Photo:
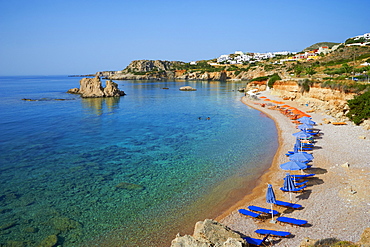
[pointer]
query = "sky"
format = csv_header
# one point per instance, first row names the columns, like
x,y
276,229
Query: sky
x,y
75,37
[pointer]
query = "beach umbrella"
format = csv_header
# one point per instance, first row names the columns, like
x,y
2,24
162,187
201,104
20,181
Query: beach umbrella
x,y
270,198
301,157
293,166
306,121
305,126
304,118
302,135
289,185
298,144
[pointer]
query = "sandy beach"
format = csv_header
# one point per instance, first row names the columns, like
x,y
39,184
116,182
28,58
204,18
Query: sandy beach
x,y
336,202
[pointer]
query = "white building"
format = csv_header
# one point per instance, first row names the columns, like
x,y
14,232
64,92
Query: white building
x,y
366,36
281,53
223,58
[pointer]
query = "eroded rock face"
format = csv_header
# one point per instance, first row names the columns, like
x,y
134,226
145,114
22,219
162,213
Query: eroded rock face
x,y
92,88
210,233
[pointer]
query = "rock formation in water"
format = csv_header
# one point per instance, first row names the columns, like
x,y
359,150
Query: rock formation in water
x,y
209,233
92,88
187,88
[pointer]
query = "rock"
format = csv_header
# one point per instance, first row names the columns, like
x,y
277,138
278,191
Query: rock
x,y
92,88
49,241
306,242
326,121
31,229
73,90
232,242
210,233
111,89
365,238
346,165
216,233
188,241
129,186
187,88
64,224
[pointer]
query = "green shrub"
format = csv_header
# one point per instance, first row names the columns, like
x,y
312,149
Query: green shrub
x,y
359,108
275,77
261,78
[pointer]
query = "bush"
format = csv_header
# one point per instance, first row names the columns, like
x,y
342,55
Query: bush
x,y
273,78
261,78
359,108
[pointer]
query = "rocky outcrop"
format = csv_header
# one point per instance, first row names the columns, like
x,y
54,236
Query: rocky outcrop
x,y
150,65
92,88
210,233
187,88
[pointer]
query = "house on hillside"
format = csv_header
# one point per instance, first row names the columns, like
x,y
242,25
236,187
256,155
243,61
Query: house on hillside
x,y
223,58
365,36
323,50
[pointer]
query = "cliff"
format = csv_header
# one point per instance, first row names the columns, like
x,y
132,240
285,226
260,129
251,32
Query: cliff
x,y
158,70
92,88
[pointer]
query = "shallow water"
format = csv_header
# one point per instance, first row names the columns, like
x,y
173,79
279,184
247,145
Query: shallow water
x,y
128,171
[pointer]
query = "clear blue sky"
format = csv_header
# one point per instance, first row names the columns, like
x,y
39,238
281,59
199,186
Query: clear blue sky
x,y
85,36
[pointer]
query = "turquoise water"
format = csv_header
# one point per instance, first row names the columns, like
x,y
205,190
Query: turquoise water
x,y
128,171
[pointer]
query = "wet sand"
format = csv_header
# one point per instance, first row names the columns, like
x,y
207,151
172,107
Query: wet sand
x,y
336,202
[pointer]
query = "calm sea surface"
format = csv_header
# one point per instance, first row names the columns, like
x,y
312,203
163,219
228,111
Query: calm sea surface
x,y
128,171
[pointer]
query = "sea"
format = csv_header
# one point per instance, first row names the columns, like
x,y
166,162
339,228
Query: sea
x,y
124,171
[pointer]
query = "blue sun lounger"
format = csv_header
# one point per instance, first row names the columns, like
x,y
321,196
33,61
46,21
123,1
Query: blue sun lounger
x,y
298,177
262,210
255,241
301,183
249,213
273,233
288,204
292,221
299,189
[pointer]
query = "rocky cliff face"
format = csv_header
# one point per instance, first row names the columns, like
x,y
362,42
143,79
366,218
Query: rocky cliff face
x,y
332,102
92,88
150,65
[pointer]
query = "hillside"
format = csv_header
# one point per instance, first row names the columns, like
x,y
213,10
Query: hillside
x,y
320,44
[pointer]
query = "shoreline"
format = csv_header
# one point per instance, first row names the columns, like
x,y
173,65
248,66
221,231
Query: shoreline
x,y
332,189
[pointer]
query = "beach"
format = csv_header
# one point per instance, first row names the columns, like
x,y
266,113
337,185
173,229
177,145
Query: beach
x,y
336,202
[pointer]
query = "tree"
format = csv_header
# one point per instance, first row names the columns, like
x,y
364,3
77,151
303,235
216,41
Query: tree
x,y
346,68
310,71
298,69
359,108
